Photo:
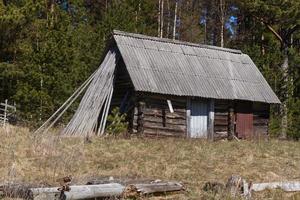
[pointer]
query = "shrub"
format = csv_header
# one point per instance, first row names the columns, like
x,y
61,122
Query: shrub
x,y
116,122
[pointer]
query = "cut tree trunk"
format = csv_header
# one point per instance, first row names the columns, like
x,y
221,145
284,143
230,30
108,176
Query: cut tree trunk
x,y
136,190
293,186
79,192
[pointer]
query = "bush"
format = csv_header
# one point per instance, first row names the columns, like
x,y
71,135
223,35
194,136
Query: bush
x,y
294,119
116,122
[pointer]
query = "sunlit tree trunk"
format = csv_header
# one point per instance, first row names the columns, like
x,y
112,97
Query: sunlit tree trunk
x,y
169,18
158,18
175,20
222,20
283,108
162,19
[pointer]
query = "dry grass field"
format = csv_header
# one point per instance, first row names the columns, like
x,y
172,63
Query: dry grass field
x,y
41,159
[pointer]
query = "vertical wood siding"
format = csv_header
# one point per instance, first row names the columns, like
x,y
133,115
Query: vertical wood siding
x,y
261,119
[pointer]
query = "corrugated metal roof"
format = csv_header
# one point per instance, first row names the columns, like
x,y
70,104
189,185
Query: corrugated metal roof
x,y
166,66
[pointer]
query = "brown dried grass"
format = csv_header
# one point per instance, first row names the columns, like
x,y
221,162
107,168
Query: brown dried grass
x,y
41,159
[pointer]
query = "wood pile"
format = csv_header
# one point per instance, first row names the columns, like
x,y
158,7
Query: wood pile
x,y
94,104
238,187
137,190
107,189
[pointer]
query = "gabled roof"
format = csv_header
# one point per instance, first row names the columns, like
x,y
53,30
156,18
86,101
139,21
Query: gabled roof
x,y
185,69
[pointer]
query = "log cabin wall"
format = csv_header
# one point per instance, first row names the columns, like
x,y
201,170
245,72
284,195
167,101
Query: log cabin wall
x,y
261,119
221,119
152,116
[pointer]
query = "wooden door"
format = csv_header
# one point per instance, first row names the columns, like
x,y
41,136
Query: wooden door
x,y
244,120
199,119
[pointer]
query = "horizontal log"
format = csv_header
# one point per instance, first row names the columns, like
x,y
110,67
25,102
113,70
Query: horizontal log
x,y
221,117
168,115
137,190
80,192
159,110
293,186
172,127
221,128
221,122
221,113
167,120
161,128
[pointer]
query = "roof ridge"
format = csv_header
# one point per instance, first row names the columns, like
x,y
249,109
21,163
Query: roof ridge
x,y
167,40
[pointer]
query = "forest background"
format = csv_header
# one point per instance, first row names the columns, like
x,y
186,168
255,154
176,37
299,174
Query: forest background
x,y
49,47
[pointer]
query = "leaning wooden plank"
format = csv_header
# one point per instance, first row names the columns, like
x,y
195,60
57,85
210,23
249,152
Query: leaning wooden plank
x,y
80,192
292,186
135,190
8,106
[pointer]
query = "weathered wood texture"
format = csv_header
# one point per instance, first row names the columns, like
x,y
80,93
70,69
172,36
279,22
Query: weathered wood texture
x,y
156,118
261,114
123,87
79,192
136,190
293,186
123,95
221,119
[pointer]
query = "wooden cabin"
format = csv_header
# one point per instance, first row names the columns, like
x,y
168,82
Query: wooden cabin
x,y
180,89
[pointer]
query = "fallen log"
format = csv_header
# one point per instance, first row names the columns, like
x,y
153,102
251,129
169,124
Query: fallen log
x,y
293,186
237,186
79,192
120,180
136,190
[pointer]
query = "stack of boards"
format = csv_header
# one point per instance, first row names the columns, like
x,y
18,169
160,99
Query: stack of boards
x,y
95,101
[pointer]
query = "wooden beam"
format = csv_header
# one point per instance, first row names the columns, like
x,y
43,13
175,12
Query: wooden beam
x,y
211,116
107,109
188,117
231,122
137,190
140,120
79,192
293,186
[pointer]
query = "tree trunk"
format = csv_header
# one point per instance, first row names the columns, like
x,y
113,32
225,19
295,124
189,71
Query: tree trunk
x,y
162,19
169,18
175,20
137,12
138,190
222,19
158,18
283,108
79,192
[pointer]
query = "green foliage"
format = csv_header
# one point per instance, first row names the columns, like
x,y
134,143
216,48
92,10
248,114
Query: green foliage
x,y
46,52
294,119
117,122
